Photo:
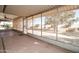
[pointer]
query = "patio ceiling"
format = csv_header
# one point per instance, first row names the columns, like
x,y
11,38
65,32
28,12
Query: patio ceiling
x,y
25,10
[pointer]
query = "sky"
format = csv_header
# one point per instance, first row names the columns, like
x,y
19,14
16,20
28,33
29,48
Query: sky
x,y
77,13
38,20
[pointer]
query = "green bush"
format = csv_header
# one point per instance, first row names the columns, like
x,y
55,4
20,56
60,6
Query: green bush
x,y
7,26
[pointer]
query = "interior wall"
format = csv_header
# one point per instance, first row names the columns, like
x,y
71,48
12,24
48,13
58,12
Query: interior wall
x,y
18,24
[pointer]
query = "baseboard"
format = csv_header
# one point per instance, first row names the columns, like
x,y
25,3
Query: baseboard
x,y
17,31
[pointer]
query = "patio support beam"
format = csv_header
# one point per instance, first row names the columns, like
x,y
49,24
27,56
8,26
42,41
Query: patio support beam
x,y
23,24
32,24
4,8
41,24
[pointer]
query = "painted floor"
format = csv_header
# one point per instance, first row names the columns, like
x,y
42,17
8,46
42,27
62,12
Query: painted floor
x,y
17,43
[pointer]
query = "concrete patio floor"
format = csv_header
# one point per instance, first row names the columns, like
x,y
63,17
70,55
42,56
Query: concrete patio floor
x,y
16,43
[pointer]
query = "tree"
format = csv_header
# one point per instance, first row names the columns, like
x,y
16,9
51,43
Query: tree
x,y
50,20
7,26
36,26
65,16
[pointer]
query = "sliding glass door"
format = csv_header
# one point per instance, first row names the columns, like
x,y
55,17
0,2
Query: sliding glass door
x,y
37,25
25,26
30,25
48,25
61,24
68,27
6,25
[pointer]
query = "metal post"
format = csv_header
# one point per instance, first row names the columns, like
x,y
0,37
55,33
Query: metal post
x,y
23,25
57,25
32,24
41,24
